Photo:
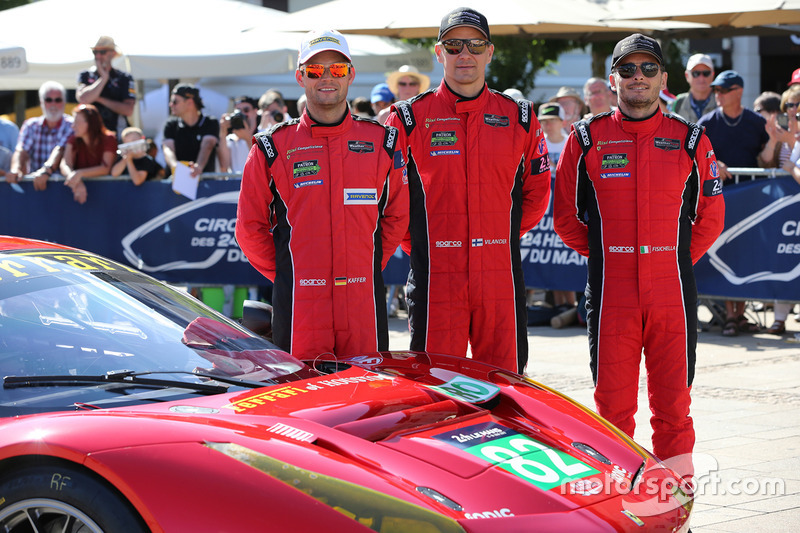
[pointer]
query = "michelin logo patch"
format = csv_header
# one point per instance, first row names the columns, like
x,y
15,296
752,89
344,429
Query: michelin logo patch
x,y
306,183
360,196
435,153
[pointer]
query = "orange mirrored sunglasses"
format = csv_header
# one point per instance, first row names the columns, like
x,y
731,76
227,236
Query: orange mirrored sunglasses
x,y
337,70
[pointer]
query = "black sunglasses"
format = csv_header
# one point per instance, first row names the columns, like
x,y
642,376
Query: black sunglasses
x,y
628,70
698,73
49,100
475,46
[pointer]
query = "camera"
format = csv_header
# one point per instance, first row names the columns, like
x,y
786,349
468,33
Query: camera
x,y
783,120
132,147
237,120
277,116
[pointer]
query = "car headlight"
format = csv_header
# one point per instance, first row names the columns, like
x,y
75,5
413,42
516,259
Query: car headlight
x,y
370,508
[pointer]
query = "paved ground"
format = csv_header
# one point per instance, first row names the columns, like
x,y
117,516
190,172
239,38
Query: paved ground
x,y
746,407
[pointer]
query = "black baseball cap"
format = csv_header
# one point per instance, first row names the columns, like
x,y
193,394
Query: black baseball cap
x,y
189,91
464,16
636,43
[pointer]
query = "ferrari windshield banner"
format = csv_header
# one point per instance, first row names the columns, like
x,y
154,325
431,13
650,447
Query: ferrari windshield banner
x,y
182,241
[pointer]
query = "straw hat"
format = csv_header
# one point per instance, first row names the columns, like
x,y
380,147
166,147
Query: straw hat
x,y
408,70
105,43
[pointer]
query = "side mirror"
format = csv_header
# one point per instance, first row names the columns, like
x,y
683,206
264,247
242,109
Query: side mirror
x,y
257,317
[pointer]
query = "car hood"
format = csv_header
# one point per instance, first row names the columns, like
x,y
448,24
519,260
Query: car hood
x,y
462,438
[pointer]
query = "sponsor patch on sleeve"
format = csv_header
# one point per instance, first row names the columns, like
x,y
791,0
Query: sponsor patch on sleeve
x,y
399,161
540,164
712,187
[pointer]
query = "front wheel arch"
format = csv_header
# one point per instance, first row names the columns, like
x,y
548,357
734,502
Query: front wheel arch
x,y
54,492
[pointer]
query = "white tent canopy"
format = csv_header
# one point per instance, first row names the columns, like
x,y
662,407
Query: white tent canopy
x,y
162,40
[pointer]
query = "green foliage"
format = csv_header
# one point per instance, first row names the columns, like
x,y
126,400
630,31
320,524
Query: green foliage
x,y
8,4
517,59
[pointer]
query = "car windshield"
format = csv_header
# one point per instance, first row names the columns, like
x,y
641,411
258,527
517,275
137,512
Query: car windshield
x,y
63,317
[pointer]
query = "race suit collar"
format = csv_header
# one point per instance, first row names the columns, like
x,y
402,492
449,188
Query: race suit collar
x,y
319,129
462,103
643,125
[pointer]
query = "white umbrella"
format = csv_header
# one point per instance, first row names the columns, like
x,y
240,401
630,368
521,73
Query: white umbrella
x,y
716,13
421,18
12,60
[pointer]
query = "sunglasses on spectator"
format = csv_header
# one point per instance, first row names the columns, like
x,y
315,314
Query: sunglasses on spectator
x,y
790,105
698,73
407,83
100,52
475,46
723,90
49,100
628,70
337,70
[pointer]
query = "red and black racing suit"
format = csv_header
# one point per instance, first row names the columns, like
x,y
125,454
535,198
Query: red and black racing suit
x,y
479,179
321,210
643,200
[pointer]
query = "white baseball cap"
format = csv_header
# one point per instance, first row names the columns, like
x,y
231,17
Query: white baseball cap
x,y
699,59
318,41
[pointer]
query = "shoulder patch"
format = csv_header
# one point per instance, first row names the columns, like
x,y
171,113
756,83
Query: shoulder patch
x,y
390,140
583,134
406,114
266,145
525,110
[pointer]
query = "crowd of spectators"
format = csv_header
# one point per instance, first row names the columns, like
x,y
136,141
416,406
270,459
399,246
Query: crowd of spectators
x,y
98,140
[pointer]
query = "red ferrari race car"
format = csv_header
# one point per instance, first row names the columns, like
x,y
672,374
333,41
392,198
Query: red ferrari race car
x,y
128,406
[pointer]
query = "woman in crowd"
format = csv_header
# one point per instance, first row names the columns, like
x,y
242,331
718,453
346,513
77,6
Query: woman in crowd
x,y
89,152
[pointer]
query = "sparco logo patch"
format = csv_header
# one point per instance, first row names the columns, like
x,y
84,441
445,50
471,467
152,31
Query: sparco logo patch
x,y
443,138
361,147
496,121
268,147
667,144
311,282
407,116
302,169
448,244
390,137
621,249
693,138
584,134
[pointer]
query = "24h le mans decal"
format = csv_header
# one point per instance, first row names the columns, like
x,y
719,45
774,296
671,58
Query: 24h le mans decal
x,y
518,454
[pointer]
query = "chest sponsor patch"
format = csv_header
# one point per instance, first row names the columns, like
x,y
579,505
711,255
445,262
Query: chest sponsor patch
x,y
614,161
436,153
360,196
443,138
361,147
303,169
667,144
606,175
306,183
496,121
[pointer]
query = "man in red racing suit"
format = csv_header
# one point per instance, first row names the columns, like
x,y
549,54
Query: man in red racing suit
x,y
639,193
479,179
323,206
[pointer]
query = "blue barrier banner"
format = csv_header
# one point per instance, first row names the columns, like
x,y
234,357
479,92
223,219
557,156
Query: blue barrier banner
x,y
183,241
149,227
757,257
